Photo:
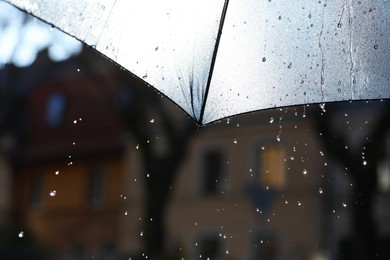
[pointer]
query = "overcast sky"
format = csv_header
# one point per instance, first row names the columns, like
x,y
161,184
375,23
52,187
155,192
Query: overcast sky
x,y
19,44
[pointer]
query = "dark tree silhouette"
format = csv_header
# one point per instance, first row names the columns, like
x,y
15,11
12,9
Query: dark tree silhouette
x,y
361,164
163,142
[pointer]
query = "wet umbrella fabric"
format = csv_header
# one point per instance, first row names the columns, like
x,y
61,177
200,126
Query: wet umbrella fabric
x,y
221,58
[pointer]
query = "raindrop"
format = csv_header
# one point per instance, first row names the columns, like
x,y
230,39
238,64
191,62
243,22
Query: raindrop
x,y
271,120
375,46
74,121
280,17
289,65
299,203
141,234
78,70
263,59
235,141
145,76
278,138
321,153
364,162
125,213
21,234
344,205
137,147
339,25
156,49
151,120
57,172
304,171
292,158
53,193
320,191
322,106
285,202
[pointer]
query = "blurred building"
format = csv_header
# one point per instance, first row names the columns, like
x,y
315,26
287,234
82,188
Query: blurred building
x,y
252,187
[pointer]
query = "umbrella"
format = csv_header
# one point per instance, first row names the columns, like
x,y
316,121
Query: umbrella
x,y
220,58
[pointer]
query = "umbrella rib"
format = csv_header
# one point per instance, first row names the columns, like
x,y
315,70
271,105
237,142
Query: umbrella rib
x,y
223,15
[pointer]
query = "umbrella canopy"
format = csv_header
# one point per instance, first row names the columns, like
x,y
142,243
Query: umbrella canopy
x,y
221,58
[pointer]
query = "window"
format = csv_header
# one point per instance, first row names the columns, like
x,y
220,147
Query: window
x,y
96,189
36,191
266,245
213,169
272,169
209,247
55,110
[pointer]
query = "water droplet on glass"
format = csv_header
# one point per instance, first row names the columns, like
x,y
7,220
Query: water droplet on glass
x,y
53,193
21,234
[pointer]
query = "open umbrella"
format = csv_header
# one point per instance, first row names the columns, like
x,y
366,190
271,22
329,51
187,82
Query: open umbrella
x,y
220,58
